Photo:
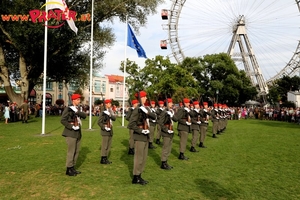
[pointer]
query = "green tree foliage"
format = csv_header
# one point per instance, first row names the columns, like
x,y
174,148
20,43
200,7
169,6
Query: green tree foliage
x,y
22,43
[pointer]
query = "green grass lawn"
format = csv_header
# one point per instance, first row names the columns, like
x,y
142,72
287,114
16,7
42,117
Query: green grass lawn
x,y
253,159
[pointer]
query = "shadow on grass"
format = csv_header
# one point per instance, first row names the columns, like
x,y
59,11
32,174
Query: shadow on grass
x,y
82,156
213,190
156,157
127,159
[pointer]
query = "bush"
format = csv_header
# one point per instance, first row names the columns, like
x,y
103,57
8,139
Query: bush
x,y
59,101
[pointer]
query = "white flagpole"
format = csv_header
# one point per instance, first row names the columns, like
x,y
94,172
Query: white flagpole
x,y
45,75
91,65
124,76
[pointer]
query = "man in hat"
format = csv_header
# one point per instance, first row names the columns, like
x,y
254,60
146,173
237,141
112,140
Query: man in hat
x,y
158,112
134,104
152,128
215,116
204,113
106,129
70,118
196,121
24,110
184,125
139,123
166,125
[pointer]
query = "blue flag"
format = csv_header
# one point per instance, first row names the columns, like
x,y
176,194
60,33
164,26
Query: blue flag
x,y
133,43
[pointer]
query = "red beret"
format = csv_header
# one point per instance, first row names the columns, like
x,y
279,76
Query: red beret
x,y
196,103
215,105
106,101
142,94
146,103
169,100
220,105
180,104
75,96
160,102
205,103
134,101
152,102
185,100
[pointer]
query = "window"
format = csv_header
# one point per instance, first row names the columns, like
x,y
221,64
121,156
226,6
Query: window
x,y
97,88
49,85
111,89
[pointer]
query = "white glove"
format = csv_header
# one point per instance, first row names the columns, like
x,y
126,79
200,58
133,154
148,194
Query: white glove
x,y
198,122
188,123
205,110
107,129
75,128
170,113
185,108
106,112
74,108
145,132
170,131
144,109
206,122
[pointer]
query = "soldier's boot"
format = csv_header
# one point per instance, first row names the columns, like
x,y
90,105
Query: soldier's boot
x,y
104,160
182,157
219,132
201,145
151,146
157,141
77,172
169,165
131,151
137,180
141,179
192,149
107,161
164,165
214,136
70,172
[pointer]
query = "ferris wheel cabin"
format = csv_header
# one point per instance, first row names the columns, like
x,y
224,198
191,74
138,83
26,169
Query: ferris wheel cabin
x,y
164,14
163,44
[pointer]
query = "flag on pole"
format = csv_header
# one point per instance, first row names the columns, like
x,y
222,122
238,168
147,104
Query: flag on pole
x,y
61,4
133,43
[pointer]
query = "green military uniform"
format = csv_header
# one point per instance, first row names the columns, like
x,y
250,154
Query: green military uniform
x,y
131,140
152,128
106,130
204,117
73,137
158,112
195,127
215,120
141,140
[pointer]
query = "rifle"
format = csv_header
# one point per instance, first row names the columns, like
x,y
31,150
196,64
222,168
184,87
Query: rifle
x,y
188,116
108,125
170,124
145,123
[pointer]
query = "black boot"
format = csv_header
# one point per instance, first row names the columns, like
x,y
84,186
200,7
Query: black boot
x,y
201,145
141,179
138,180
164,165
219,132
193,149
77,172
214,136
131,151
70,171
169,165
107,161
104,160
151,146
157,141
182,157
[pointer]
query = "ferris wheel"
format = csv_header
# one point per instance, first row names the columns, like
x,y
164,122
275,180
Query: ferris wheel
x,y
261,36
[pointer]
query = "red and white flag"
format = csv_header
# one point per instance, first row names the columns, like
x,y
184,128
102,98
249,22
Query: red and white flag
x,y
61,4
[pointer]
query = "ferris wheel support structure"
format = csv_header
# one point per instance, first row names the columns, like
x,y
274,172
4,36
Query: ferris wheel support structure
x,y
291,68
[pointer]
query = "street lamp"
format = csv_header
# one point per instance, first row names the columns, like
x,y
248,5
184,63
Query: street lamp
x,y
217,93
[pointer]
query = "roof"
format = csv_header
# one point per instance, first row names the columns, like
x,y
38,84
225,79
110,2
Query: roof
x,y
115,78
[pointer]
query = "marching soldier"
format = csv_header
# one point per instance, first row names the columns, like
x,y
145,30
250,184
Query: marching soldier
x,y
215,120
139,124
204,113
105,122
184,125
195,116
152,126
166,124
158,112
134,104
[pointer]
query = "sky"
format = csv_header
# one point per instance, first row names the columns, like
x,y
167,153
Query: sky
x,y
205,27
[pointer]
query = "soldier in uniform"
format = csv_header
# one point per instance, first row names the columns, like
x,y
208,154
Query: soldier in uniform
x,y
139,123
158,112
152,126
215,120
222,119
166,124
195,117
106,129
24,110
134,104
184,125
204,113
70,118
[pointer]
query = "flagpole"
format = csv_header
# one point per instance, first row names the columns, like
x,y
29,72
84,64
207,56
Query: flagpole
x,y
91,66
45,74
124,76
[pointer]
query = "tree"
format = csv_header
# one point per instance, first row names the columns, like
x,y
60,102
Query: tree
x,y
22,43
